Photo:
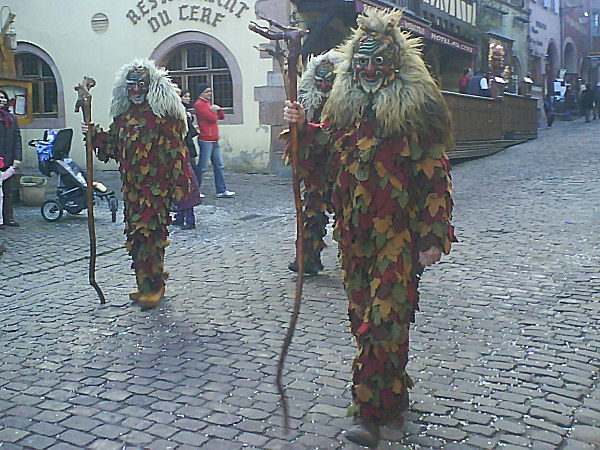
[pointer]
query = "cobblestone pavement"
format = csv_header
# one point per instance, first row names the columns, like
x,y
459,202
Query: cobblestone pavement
x,y
505,352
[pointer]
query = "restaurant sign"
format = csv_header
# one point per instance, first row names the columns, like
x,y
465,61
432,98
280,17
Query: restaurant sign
x,y
210,12
437,37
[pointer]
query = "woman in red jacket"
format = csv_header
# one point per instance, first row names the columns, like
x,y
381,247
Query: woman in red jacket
x,y
207,115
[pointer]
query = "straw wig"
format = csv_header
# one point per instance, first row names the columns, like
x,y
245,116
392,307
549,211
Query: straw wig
x,y
411,103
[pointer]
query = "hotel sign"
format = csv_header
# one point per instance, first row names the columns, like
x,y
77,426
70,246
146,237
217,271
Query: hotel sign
x,y
437,37
210,12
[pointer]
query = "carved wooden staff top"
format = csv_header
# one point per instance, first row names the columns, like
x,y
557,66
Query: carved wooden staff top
x,y
293,38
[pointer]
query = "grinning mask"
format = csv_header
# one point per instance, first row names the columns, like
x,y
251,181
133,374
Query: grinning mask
x,y
138,83
324,76
374,62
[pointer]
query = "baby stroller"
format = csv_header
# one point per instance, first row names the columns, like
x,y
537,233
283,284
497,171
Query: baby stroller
x,y
53,152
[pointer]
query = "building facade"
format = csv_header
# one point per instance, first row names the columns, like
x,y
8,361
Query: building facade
x,y
61,41
544,43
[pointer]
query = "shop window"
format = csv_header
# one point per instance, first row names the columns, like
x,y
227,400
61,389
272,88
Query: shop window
x,y
596,23
192,64
45,93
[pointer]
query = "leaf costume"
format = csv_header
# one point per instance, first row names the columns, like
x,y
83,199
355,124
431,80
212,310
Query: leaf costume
x,y
382,146
147,141
316,199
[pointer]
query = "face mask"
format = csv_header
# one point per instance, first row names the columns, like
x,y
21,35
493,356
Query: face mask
x,y
373,64
324,77
137,85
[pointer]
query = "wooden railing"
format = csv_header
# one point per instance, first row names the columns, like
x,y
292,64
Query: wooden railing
x,y
485,125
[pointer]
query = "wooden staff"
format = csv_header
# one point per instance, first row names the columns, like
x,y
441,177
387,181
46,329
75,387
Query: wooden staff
x,y
84,102
293,37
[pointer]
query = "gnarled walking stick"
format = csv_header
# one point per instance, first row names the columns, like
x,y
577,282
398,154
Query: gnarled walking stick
x,y
293,37
84,102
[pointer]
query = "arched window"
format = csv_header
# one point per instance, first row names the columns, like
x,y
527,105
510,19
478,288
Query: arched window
x,y
192,64
45,93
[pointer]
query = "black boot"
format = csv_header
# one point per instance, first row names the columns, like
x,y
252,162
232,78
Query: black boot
x,y
364,432
310,267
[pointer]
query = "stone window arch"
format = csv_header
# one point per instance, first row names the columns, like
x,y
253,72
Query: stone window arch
x,y
35,65
194,57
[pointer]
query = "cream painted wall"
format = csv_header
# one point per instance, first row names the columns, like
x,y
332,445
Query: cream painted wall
x,y
62,28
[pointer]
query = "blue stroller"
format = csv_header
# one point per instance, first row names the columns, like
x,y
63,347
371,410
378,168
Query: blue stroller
x,y
53,157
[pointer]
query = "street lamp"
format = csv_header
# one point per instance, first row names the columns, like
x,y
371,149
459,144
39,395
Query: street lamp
x,y
12,37
7,29
8,44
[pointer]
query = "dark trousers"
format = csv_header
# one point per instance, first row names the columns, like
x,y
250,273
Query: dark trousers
x,y
8,187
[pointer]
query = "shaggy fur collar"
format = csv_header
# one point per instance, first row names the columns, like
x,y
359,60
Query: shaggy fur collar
x,y
411,104
162,96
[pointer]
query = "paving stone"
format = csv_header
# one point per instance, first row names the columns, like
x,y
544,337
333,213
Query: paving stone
x,y
110,431
584,433
510,426
80,423
103,444
452,434
9,435
545,436
559,419
77,438
473,417
187,437
37,441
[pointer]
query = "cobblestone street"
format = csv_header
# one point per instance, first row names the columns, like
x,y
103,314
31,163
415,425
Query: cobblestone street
x,y
505,352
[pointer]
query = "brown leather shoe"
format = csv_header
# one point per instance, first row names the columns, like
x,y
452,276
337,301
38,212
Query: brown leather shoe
x,y
364,433
151,299
135,296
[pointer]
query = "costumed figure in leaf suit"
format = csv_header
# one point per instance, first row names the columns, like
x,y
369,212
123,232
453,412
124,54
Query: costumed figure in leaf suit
x,y
313,92
146,139
384,134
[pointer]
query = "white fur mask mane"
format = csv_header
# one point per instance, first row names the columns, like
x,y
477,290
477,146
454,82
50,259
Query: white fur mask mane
x,y
162,96
309,96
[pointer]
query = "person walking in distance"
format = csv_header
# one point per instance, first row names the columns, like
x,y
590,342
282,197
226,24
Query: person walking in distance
x,y
463,82
5,174
207,115
549,109
382,142
11,150
185,217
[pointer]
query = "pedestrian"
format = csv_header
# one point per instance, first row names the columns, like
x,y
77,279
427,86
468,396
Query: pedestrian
x,y
478,85
586,101
207,114
463,82
549,109
146,139
597,101
382,142
5,174
186,99
313,92
11,150
185,217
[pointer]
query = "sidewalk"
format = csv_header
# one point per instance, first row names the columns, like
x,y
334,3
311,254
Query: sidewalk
x,y
505,352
